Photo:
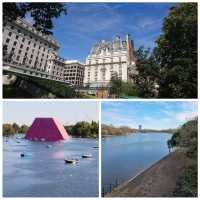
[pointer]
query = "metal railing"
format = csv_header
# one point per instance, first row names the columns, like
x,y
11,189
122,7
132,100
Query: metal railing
x,y
106,188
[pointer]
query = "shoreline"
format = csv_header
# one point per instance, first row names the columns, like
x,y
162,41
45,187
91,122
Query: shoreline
x,y
21,134
156,132
157,180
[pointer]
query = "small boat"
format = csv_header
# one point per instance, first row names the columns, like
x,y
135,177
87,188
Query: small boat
x,y
49,146
25,154
87,156
95,147
18,141
71,161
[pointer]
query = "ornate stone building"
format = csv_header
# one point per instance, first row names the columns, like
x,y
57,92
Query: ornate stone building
x,y
24,46
108,59
28,51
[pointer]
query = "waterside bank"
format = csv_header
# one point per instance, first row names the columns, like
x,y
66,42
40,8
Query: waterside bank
x,y
159,180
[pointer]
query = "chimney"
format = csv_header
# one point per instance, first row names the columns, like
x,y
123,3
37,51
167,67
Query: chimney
x,y
130,49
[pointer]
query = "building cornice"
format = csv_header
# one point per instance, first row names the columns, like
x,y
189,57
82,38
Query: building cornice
x,y
29,28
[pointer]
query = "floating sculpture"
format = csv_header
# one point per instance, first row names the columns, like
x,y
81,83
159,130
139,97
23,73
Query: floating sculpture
x,y
46,129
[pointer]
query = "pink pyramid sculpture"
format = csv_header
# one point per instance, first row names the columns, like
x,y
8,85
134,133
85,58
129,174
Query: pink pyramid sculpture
x,y
46,129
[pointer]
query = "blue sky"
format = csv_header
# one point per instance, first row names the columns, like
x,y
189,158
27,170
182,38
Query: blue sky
x,y
87,23
67,112
151,114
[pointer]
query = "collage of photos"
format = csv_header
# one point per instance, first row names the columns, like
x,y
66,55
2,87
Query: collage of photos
x,y
99,99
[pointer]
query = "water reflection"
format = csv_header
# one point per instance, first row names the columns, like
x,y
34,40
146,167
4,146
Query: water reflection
x,y
45,173
125,156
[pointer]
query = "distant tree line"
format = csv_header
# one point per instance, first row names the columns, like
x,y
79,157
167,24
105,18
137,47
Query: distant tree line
x,y
107,130
12,129
80,129
186,140
170,69
84,129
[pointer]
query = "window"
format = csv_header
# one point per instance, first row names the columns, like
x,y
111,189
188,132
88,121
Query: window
x,y
34,45
30,61
19,52
7,40
27,48
18,31
9,33
15,43
29,42
12,27
23,39
16,37
31,55
17,57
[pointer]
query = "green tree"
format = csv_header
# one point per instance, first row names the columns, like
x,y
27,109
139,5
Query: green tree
x,y
187,138
115,86
84,129
8,130
148,73
23,129
177,52
42,13
15,127
128,89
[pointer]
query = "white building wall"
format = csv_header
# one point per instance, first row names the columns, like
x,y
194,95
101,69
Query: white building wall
x,y
112,57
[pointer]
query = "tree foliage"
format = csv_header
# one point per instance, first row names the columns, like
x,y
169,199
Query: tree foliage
x,y
115,86
177,52
112,130
148,73
187,138
170,69
84,129
12,129
119,88
38,87
80,129
8,130
42,13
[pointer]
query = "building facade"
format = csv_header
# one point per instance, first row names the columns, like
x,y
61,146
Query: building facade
x,y
74,72
28,51
108,59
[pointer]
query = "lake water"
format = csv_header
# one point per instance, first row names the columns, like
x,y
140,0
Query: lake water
x,y
124,157
45,174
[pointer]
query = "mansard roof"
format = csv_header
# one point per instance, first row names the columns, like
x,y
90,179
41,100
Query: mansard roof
x,y
109,46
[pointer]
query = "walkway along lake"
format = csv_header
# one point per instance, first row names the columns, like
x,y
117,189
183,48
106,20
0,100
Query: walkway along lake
x,y
124,157
44,173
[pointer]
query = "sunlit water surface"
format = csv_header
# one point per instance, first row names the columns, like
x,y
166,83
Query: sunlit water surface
x,y
124,157
44,173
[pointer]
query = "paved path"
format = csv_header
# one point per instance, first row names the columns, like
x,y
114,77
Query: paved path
x,y
157,181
